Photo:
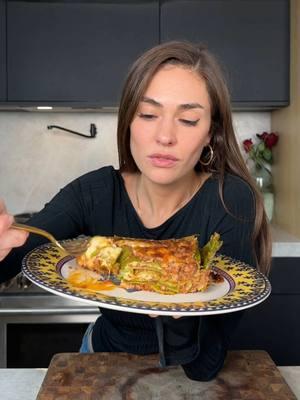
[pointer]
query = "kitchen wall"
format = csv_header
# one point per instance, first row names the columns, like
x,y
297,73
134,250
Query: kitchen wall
x,y
36,162
287,121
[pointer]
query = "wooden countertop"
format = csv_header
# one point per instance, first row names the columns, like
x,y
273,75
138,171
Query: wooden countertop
x,y
113,376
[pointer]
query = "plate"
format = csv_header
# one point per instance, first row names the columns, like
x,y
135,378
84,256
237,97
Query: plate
x,y
242,287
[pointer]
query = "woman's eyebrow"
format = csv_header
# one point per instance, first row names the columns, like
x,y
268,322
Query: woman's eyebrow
x,y
186,106
151,101
190,106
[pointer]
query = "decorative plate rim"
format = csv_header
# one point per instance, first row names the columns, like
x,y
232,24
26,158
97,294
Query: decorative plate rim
x,y
248,287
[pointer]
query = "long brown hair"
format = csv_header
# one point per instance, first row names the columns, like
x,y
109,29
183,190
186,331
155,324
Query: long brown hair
x,y
227,155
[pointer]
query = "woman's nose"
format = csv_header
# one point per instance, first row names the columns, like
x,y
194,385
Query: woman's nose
x,y
166,134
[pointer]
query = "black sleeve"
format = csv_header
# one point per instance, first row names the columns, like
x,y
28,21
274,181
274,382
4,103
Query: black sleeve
x,y
235,228
235,225
63,217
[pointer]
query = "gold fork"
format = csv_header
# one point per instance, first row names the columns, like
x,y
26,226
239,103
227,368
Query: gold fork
x,y
72,247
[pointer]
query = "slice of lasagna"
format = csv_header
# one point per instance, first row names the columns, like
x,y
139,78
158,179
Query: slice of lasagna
x,y
165,266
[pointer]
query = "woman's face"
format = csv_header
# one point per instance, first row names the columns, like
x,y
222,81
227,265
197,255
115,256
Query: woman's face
x,y
171,125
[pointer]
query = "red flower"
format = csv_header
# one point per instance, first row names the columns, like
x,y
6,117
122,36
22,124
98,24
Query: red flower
x,y
260,152
271,140
247,145
262,136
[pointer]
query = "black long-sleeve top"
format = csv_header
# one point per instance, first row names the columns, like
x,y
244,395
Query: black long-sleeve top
x,y
98,204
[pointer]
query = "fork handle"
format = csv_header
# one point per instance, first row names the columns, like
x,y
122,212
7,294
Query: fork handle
x,y
38,231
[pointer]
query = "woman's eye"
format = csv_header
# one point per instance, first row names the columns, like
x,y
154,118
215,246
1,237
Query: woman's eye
x,y
147,116
189,122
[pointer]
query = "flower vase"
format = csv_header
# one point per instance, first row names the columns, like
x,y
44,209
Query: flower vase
x,y
264,181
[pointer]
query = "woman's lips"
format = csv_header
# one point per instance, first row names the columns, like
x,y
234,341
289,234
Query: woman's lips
x,y
163,160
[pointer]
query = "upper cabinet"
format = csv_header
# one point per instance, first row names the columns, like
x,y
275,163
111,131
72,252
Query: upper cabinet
x,y
251,39
2,51
75,52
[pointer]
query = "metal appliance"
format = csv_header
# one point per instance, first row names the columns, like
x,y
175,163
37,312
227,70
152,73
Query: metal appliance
x,y
35,324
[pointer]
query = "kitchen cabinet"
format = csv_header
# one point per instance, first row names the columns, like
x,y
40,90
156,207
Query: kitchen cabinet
x,y
76,52
33,345
2,51
250,38
274,325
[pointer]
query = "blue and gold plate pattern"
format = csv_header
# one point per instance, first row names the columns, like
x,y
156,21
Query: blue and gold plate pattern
x,y
242,287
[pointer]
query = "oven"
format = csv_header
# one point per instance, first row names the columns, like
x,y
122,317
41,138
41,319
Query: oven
x,y
36,324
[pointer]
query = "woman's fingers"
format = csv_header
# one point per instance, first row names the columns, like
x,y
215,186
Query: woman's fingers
x,y
3,253
155,316
5,221
2,207
9,237
12,238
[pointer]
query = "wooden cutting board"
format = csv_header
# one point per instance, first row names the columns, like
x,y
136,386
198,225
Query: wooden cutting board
x,y
247,375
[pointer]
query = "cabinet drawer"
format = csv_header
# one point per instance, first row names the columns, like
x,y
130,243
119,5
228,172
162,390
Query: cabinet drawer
x,y
285,275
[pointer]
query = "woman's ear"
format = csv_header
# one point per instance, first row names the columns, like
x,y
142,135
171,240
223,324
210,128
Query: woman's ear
x,y
208,139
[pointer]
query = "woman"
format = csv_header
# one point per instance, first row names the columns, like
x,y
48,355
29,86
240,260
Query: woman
x,y
181,173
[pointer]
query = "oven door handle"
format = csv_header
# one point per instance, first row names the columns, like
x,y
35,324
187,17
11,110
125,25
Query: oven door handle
x,y
49,311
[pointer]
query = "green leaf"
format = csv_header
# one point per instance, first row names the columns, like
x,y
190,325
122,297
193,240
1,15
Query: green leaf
x,y
267,154
261,147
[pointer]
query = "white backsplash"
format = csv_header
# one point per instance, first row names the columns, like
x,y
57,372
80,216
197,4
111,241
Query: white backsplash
x,y
36,162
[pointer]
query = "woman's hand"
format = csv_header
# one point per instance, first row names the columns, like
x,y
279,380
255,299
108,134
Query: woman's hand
x,y
9,238
155,316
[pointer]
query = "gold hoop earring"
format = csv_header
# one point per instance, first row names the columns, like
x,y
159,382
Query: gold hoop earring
x,y
211,155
